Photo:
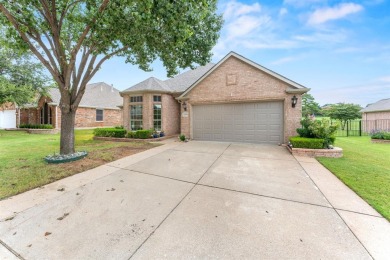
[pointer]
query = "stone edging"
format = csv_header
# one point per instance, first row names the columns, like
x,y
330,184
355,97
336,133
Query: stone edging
x,y
43,131
114,139
380,141
336,152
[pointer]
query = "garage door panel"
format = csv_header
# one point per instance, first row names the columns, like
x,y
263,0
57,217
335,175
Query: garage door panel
x,y
260,122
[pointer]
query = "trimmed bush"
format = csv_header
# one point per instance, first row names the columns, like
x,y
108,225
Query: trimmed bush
x,y
380,134
304,142
143,134
131,134
110,132
320,129
35,126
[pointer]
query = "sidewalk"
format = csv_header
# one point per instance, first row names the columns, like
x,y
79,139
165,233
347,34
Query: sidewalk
x,y
369,227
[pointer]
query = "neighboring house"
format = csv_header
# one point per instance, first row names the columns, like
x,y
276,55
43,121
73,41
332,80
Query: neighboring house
x,y
100,106
234,100
8,115
376,116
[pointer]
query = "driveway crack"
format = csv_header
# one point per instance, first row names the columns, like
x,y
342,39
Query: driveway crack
x,y
11,250
184,197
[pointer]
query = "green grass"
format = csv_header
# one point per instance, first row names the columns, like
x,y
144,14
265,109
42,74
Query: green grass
x,y
365,168
21,158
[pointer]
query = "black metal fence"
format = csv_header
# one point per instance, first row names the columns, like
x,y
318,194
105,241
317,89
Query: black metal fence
x,y
361,127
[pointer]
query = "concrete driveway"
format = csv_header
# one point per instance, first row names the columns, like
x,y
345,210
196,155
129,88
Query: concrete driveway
x,y
195,200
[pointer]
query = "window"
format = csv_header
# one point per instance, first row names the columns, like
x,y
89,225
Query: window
x,y
157,117
136,117
156,98
136,99
99,114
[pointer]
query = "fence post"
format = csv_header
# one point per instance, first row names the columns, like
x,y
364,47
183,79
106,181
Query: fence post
x,y
347,129
360,128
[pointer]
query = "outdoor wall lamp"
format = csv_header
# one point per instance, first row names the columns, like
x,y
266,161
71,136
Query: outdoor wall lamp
x,y
184,106
294,101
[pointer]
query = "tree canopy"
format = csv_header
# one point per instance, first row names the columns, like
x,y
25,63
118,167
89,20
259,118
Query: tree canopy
x,y
73,38
309,106
21,76
344,112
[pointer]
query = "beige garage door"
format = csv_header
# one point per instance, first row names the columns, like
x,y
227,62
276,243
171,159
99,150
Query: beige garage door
x,y
260,122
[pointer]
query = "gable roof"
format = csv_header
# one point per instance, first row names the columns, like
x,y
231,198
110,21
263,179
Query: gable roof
x,y
183,81
97,95
150,84
177,84
296,88
381,105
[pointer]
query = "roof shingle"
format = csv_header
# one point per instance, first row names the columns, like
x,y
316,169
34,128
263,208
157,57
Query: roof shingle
x,y
177,84
99,95
381,105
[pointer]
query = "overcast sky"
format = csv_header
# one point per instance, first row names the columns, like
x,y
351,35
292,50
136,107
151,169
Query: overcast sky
x,y
339,49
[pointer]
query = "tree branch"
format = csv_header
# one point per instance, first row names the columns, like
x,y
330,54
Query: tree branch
x,y
82,38
47,64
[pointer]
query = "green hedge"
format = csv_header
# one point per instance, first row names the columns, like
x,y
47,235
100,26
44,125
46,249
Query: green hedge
x,y
304,142
35,126
143,134
110,132
140,134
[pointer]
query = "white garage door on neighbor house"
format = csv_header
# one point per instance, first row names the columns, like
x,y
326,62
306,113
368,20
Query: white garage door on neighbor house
x,y
7,119
260,122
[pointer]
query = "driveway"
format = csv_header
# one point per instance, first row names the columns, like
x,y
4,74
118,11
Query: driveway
x,y
195,200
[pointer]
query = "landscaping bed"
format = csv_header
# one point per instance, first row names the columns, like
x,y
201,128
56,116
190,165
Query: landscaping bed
x,y
380,141
336,152
43,131
114,139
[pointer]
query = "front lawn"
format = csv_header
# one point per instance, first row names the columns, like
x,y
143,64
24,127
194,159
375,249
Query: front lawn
x,y
21,158
365,168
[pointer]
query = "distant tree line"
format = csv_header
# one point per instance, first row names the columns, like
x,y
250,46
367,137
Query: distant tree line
x,y
340,111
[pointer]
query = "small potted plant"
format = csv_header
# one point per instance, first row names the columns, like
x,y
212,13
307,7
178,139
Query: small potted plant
x,y
155,134
162,133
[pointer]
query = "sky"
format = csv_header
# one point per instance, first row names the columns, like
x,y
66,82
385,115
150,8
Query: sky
x,y
338,49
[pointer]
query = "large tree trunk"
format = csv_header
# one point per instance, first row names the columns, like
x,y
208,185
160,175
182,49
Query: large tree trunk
x,y
67,132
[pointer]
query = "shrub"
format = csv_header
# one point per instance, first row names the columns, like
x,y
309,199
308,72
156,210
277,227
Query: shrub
x,y
35,126
304,131
131,134
109,132
380,134
119,127
324,130
320,129
305,142
143,134
182,137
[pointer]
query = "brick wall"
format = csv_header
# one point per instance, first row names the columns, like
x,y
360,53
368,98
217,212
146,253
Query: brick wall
x,y
376,115
170,115
29,116
237,81
86,117
169,109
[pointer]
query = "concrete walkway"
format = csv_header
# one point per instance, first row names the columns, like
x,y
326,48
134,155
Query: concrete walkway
x,y
195,200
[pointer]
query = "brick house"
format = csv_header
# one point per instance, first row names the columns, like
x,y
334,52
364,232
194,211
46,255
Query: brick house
x,y
376,116
100,106
234,100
